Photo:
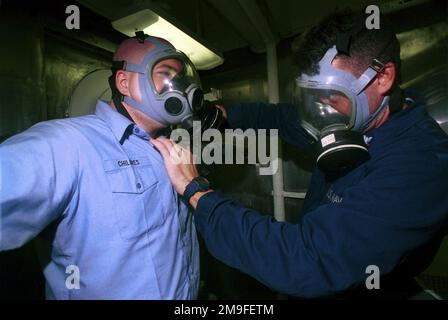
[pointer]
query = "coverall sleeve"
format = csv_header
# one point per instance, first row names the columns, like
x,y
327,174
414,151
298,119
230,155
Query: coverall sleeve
x,y
282,116
378,222
38,175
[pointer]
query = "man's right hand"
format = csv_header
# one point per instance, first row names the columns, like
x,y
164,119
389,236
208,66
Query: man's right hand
x,y
224,112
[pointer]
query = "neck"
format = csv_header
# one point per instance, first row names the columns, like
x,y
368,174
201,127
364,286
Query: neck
x,y
143,121
382,118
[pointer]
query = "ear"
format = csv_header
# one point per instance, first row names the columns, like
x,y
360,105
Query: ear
x,y
122,82
386,78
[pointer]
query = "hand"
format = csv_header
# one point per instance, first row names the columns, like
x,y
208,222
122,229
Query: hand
x,y
224,112
178,163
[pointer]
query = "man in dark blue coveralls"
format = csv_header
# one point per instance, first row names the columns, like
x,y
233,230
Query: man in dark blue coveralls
x,y
378,195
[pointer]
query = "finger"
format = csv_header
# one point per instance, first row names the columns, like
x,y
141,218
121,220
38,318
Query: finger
x,y
161,147
176,155
167,141
174,151
185,154
175,144
224,111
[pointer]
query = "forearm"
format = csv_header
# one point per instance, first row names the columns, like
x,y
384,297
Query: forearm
x,y
283,117
253,116
196,197
253,243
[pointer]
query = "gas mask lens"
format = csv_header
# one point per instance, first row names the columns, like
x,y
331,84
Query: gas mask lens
x,y
322,110
173,74
327,114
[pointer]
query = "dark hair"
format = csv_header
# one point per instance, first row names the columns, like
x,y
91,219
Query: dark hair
x,y
364,44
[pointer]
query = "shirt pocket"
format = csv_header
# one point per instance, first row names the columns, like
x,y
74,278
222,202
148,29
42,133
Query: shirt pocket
x,y
135,192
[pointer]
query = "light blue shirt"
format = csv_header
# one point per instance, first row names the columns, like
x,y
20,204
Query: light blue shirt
x,y
108,210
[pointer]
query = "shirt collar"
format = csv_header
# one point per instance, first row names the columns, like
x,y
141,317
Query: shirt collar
x,y
116,122
402,120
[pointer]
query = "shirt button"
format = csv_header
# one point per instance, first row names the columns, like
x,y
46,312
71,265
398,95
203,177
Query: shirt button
x,y
139,185
137,130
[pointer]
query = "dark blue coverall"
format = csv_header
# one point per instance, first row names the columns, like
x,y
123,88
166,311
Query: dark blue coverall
x,y
391,212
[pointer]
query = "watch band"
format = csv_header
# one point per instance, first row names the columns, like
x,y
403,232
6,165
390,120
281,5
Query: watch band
x,y
198,184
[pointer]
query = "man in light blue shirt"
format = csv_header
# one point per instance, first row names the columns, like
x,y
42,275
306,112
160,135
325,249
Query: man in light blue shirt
x,y
114,226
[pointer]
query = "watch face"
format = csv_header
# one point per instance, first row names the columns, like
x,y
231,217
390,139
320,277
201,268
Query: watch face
x,y
202,183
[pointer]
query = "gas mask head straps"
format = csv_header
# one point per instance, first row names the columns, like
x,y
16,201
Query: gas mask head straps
x,y
170,106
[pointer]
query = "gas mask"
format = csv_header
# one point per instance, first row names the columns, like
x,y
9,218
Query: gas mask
x,y
169,84
334,110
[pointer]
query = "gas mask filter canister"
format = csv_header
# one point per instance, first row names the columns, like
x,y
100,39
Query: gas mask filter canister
x,y
334,110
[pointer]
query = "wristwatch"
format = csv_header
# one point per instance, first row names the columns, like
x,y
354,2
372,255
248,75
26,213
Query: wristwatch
x,y
198,184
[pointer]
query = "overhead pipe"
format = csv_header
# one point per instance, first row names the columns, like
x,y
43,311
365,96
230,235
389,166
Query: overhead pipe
x,y
232,11
277,178
252,10
246,21
256,17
